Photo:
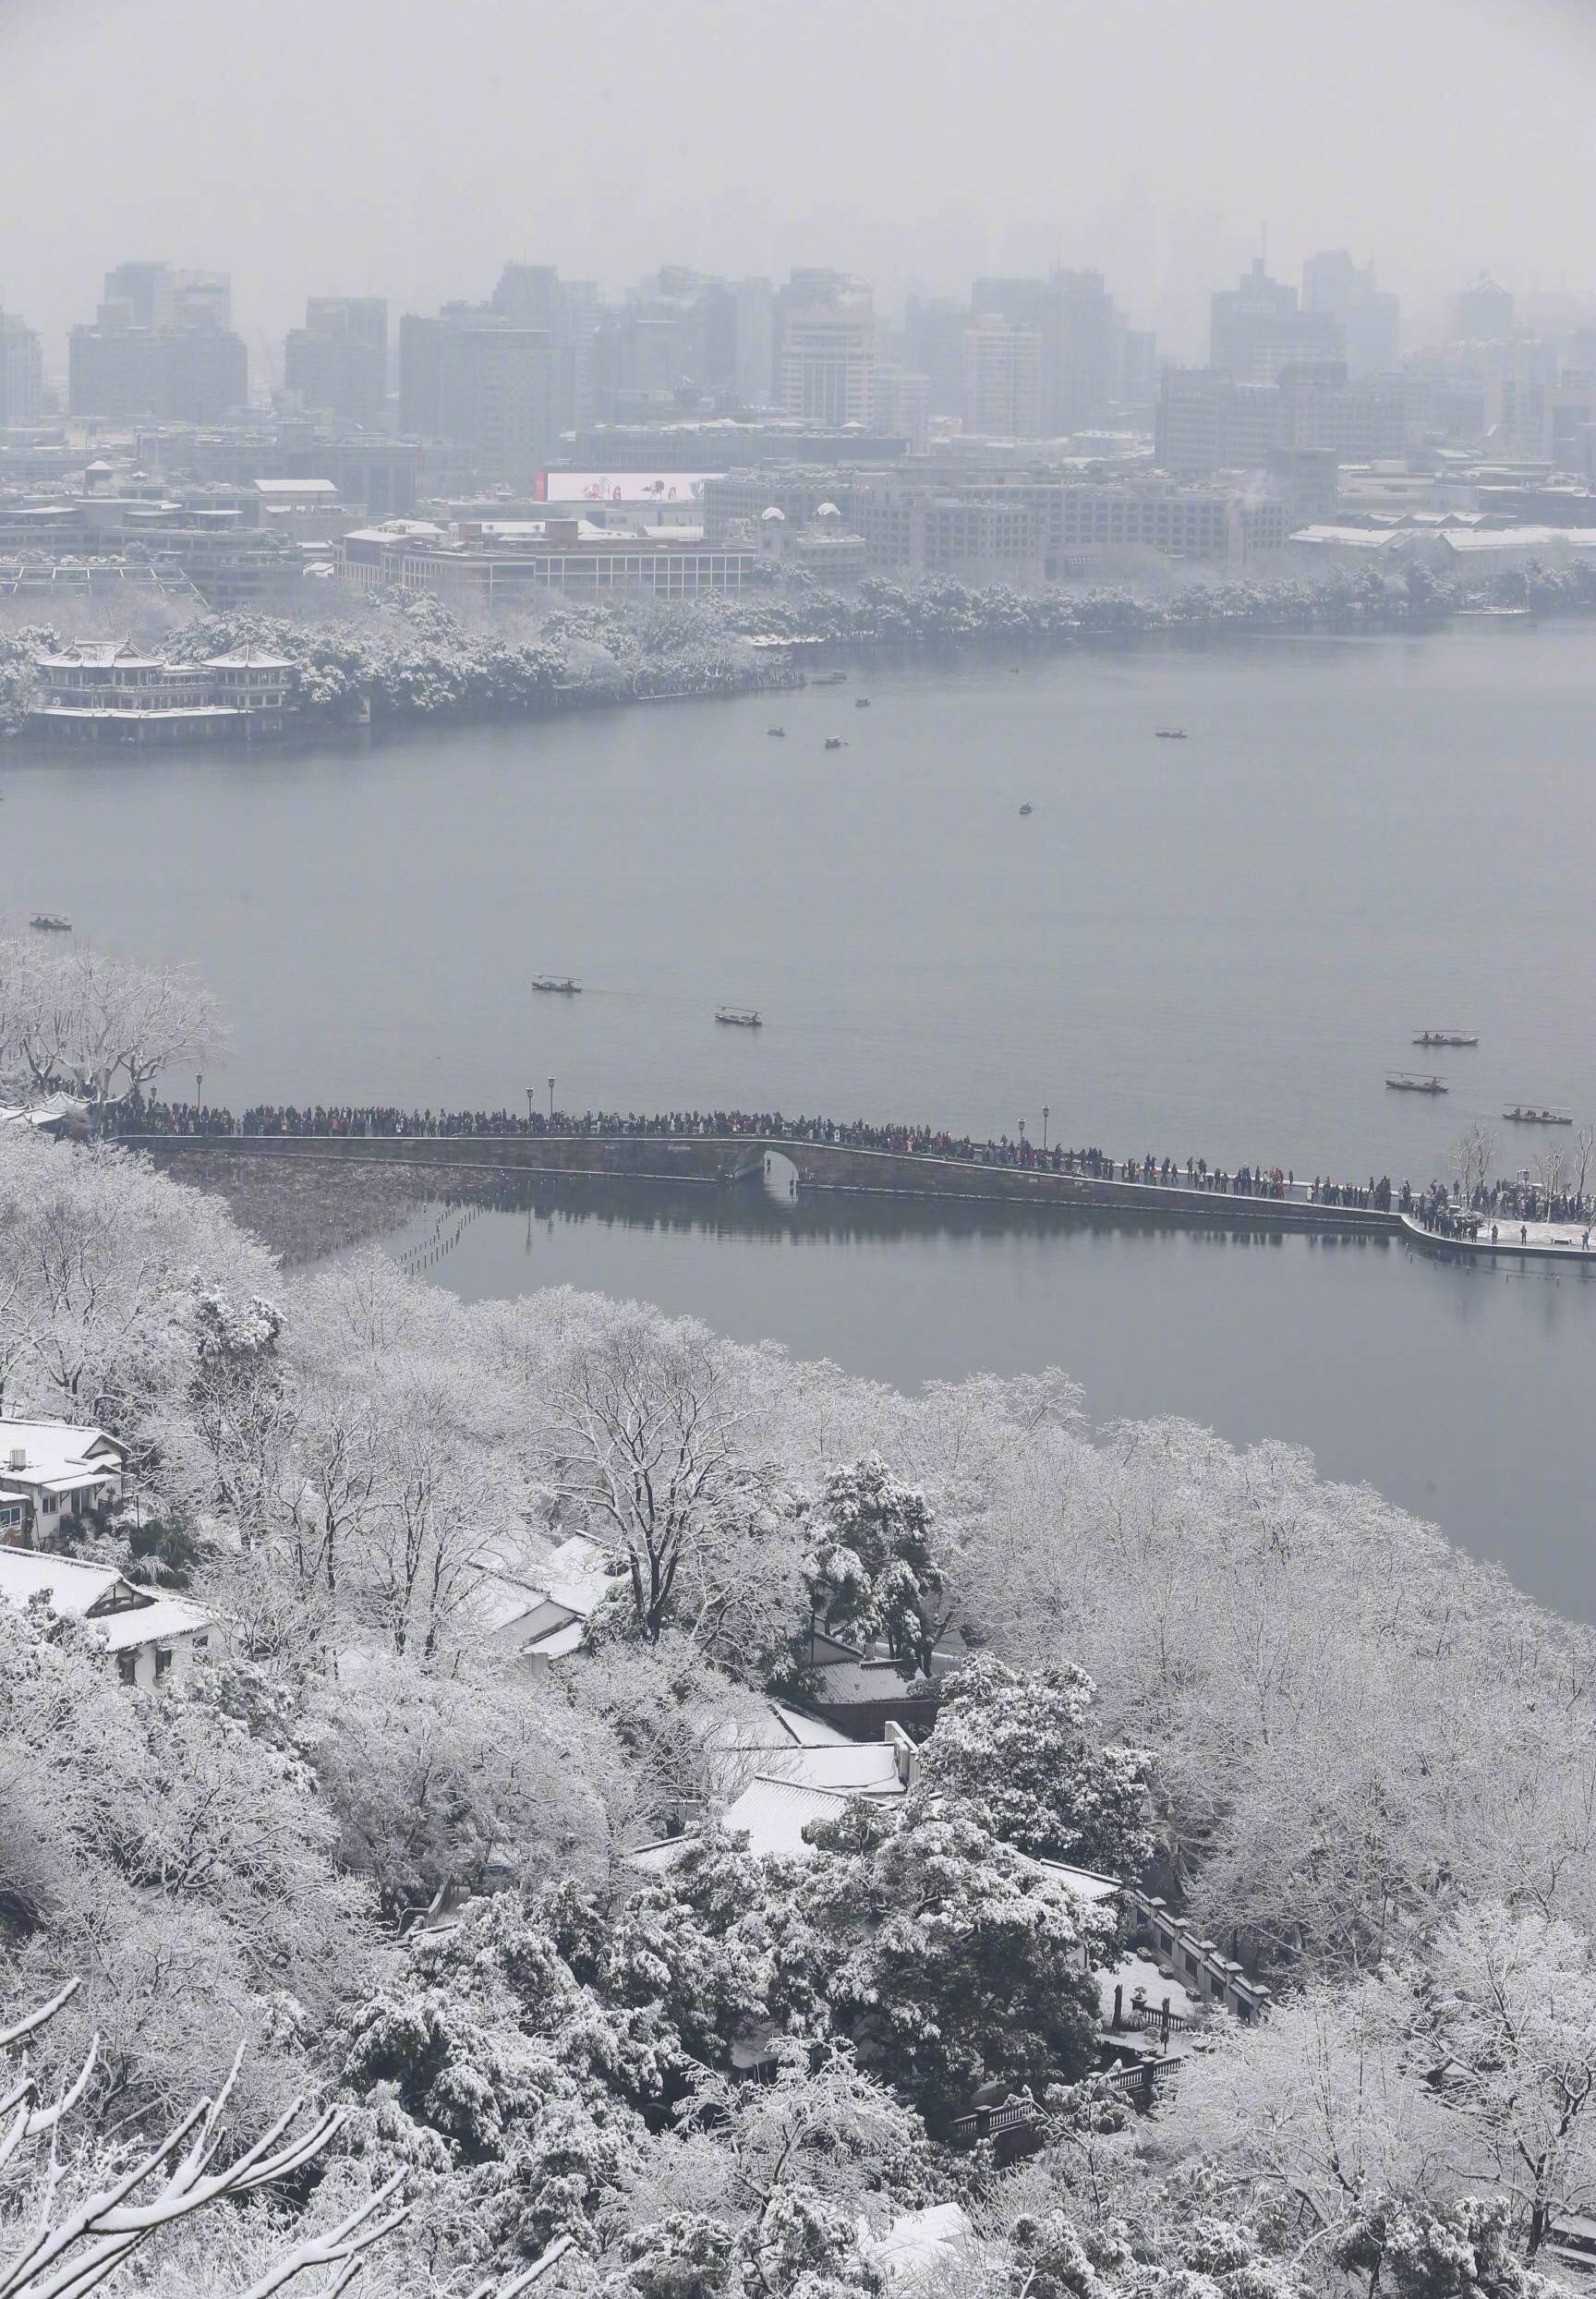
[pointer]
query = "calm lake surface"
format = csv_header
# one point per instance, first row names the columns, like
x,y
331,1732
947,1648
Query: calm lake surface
x,y
1457,1391
1211,948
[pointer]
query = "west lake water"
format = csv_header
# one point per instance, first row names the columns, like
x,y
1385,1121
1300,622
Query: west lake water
x,y
1217,947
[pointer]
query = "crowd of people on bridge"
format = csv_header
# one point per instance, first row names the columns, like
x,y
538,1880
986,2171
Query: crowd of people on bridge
x,y
389,1120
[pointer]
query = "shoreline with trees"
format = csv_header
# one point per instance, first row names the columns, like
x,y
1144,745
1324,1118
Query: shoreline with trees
x,y
395,661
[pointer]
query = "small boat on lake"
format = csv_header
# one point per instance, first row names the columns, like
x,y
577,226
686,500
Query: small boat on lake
x,y
833,741
1409,1081
861,702
775,730
1447,1037
50,922
1027,808
1170,733
830,678
740,1017
562,985
1536,1114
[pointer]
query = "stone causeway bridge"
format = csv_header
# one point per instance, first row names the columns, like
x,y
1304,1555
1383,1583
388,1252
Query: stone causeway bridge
x,y
772,1159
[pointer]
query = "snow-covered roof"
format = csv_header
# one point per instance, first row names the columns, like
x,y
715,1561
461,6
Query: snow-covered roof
x,y
774,512
327,487
856,1768
774,1813
807,1732
74,1588
556,1644
52,1449
1087,1884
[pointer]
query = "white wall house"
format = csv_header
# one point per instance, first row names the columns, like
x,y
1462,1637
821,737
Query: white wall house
x,y
53,1476
149,1634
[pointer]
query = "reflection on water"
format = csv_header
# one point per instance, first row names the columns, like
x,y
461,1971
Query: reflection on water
x,y
1454,1389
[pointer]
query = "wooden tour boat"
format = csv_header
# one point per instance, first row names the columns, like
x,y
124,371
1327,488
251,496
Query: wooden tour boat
x,y
50,922
562,985
1409,1081
740,1017
1536,1114
1447,1037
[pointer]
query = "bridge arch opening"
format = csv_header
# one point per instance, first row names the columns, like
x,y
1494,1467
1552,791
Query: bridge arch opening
x,y
781,1177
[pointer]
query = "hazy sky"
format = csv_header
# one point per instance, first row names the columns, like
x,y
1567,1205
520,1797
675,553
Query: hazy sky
x,y
407,147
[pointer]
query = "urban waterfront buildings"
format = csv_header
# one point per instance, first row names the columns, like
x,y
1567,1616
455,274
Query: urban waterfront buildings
x,y
474,377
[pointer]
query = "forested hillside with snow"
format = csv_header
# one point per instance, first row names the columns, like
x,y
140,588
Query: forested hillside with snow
x,y
386,1855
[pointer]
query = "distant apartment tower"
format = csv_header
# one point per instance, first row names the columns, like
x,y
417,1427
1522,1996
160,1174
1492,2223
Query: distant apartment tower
x,y
157,296
566,311
1257,328
900,406
161,347
117,373
1002,380
934,331
755,351
338,360
1081,358
1483,313
474,379
22,373
1368,319
828,351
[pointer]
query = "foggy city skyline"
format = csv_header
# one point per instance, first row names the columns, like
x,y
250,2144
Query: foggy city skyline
x,y
360,153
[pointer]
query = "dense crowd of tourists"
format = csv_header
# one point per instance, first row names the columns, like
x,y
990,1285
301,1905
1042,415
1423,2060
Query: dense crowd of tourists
x,y
388,1120
1497,1205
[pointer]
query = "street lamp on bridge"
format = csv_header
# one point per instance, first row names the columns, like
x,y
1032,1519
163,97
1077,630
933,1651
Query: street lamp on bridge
x,y
529,1093
550,1102
1047,1113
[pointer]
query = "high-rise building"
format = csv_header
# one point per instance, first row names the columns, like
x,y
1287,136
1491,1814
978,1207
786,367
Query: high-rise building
x,y
120,373
828,349
474,379
1368,319
22,373
534,295
934,328
1257,328
161,347
900,406
157,296
1002,379
1483,313
338,360
1075,315
754,356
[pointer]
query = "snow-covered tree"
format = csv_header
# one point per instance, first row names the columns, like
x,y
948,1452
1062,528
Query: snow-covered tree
x,y
1021,1745
958,1961
870,1569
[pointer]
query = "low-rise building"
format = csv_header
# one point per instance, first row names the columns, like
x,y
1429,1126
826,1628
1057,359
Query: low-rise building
x,y
97,689
490,560
149,1634
53,1477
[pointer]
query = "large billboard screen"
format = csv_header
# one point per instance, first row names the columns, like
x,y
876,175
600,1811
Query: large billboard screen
x,y
579,487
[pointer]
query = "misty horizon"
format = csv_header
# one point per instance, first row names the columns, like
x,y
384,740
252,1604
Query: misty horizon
x,y
362,154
